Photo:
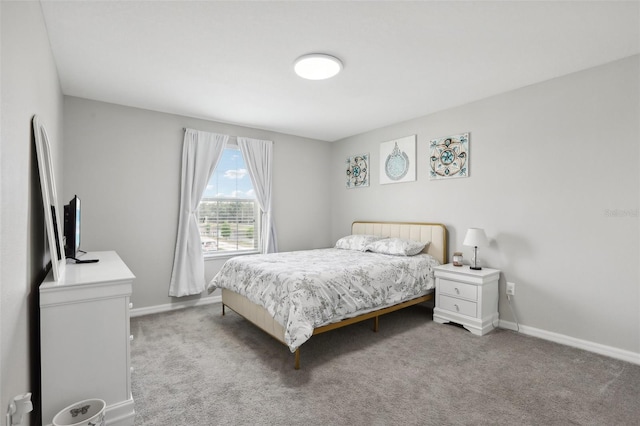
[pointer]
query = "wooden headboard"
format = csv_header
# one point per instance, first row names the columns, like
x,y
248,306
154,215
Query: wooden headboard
x,y
433,233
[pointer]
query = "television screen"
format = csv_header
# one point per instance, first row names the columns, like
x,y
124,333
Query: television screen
x,y
72,227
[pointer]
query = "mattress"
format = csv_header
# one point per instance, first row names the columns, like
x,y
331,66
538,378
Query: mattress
x,y
307,289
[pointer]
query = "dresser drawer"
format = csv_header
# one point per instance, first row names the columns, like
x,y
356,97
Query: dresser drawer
x,y
459,306
458,289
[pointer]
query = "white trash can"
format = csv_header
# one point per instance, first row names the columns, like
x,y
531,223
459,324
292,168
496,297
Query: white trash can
x,y
89,412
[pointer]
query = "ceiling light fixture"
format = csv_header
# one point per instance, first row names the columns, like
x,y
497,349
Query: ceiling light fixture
x,y
317,66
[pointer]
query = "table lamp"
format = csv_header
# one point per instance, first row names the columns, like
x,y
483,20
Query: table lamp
x,y
475,238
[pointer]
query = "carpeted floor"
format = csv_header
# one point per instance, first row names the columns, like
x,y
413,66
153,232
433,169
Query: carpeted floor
x,y
195,367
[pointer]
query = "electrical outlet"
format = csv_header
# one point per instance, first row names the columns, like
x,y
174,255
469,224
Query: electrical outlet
x,y
511,289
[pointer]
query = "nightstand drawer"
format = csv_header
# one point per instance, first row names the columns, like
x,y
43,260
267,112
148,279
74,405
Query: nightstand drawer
x,y
458,289
459,306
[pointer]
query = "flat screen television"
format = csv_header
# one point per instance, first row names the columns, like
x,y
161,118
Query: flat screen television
x,y
72,227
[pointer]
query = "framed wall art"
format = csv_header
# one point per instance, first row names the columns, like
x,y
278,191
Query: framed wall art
x,y
449,157
358,171
398,160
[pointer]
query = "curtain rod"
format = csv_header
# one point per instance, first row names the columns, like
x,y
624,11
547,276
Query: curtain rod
x,y
184,129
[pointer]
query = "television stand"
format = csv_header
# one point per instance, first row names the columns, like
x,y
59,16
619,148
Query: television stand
x,y
84,260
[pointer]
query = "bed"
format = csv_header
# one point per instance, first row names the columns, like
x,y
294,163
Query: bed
x,y
295,295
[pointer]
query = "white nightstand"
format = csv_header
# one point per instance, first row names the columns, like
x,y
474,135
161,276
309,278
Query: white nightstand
x,y
467,297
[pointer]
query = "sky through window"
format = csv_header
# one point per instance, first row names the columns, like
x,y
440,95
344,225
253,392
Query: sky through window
x,y
231,178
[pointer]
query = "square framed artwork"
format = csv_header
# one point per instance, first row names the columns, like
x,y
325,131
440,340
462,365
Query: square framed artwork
x,y
449,157
358,171
398,160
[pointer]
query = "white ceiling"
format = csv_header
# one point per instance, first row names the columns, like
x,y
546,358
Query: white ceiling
x,y
233,61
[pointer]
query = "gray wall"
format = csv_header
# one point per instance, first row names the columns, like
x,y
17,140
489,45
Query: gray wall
x,y
554,181
29,86
124,163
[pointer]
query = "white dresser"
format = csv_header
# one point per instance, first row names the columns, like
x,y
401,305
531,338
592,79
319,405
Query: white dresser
x,y
84,335
467,297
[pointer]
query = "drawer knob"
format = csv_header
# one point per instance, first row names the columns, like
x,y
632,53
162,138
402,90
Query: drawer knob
x,y
457,308
130,305
457,291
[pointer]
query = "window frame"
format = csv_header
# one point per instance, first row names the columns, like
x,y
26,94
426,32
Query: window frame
x,y
256,218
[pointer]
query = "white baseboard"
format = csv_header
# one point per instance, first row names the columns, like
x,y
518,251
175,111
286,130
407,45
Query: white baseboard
x,y
610,351
138,312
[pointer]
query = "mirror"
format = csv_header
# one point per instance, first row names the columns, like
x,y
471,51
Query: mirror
x,y
53,218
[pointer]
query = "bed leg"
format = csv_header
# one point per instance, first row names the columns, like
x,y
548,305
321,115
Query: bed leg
x,y
223,309
297,363
375,323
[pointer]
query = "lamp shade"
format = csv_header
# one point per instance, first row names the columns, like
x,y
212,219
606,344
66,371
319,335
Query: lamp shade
x,y
475,238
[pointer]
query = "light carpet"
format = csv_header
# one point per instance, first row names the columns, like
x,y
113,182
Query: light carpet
x,y
196,367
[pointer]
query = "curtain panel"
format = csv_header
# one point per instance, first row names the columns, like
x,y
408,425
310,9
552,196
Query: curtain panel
x,y
258,158
200,155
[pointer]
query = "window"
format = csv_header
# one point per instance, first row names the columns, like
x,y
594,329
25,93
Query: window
x,y
228,212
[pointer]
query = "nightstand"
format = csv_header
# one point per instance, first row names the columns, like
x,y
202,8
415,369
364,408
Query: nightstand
x,y
467,297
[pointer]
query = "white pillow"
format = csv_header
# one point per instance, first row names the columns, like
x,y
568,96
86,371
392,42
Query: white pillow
x,y
356,242
396,246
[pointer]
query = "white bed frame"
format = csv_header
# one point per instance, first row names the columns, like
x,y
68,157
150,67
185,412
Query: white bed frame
x,y
433,233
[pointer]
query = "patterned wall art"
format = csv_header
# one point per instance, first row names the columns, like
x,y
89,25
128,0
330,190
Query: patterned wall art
x,y
398,160
449,157
358,171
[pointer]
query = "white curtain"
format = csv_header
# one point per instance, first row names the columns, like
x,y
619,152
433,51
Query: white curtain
x,y
200,155
257,155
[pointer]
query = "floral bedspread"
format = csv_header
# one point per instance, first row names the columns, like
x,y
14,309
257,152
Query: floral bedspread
x,y
304,290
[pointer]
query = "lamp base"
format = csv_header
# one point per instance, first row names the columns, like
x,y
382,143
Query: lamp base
x,y
475,265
